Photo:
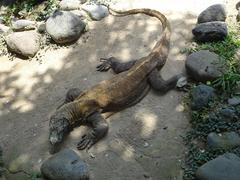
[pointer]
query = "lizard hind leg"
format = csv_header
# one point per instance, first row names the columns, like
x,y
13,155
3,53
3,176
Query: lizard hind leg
x,y
99,130
114,64
71,95
159,84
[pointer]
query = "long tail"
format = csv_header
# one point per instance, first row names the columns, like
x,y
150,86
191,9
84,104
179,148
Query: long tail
x,y
150,12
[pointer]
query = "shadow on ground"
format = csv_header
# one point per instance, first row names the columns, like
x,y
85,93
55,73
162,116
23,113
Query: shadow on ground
x,y
144,140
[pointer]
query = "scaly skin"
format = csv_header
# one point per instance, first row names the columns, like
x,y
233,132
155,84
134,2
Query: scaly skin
x,y
123,90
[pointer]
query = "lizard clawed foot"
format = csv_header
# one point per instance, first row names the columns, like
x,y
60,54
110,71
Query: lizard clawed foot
x,y
87,141
105,65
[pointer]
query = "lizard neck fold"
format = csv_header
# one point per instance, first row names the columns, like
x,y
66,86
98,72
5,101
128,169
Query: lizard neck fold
x,y
78,111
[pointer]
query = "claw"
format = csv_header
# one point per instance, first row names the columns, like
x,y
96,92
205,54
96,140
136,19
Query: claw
x,y
105,65
86,142
104,59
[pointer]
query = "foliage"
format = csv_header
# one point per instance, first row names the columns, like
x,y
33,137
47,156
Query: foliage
x,y
34,176
226,49
28,6
209,120
204,123
50,5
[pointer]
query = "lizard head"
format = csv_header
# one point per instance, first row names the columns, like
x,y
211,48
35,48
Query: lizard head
x,y
59,127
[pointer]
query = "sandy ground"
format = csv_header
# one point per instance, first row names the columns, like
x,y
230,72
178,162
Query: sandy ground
x,y
144,141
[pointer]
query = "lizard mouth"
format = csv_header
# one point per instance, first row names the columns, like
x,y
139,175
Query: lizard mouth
x,y
55,140
54,148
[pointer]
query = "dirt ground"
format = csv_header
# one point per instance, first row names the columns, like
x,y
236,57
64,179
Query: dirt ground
x,y
143,141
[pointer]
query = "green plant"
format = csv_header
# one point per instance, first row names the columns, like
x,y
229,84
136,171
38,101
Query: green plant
x,y
28,6
34,175
226,49
49,7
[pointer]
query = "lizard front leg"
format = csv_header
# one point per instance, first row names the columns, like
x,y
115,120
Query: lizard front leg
x,y
99,130
114,64
71,95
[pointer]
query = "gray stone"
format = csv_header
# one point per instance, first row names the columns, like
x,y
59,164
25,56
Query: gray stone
x,y
237,54
83,1
25,43
67,5
96,12
80,13
223,141
238,14
4,29
224,167
65,165
64,27
227,114
201,96
215,12
23,24
210,31
41,27
1,162
204,66
234,101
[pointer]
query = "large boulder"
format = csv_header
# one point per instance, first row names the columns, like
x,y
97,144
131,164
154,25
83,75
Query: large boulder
x,y
64,27
204,66
201,96
67,5
223,141
215,12
23,24
4,29
96,12
65,165
26,43
224,167
210,31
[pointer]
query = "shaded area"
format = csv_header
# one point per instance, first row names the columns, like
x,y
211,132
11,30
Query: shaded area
x,y
143,141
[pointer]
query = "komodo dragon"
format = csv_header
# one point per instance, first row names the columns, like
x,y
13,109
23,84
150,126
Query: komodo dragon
x,y
126,88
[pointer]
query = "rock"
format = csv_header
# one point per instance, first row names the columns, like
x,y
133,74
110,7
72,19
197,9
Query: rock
x,y
238,9
210,31
234,101
80,13
204,66
96,12
67,5
64,27
4,29
25,43
237,54
65,165
225,140
224,167
215,12
227,114
1,162
41,27
201,96
83,1
238,16
23,24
